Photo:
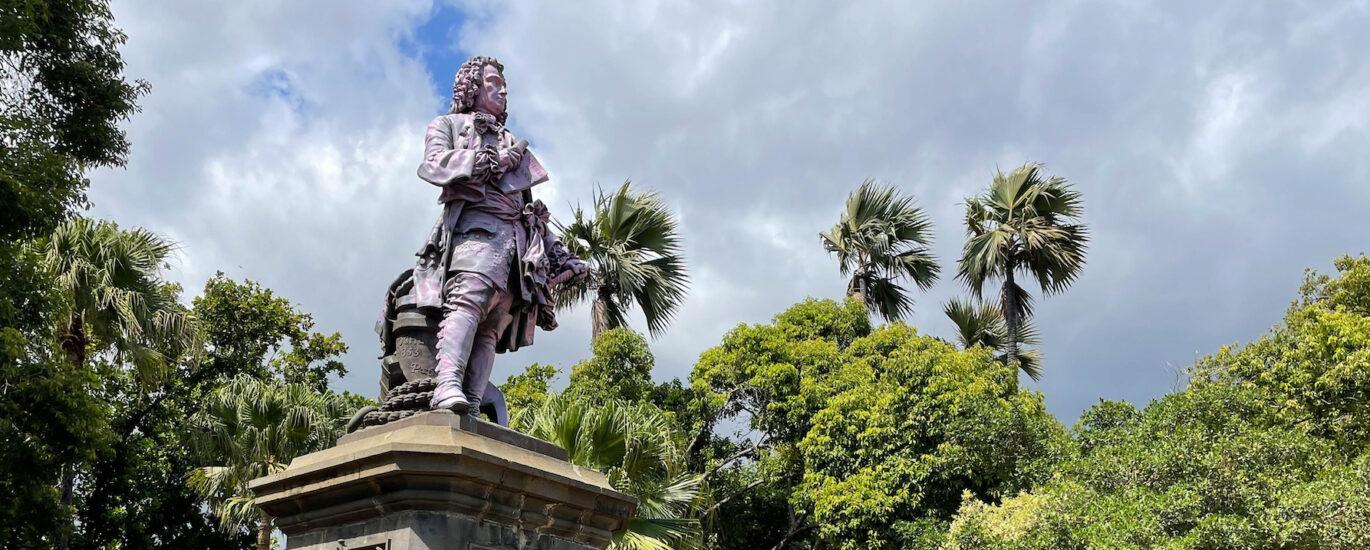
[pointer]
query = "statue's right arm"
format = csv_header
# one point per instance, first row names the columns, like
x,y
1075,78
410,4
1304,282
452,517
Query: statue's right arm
x,y
446,163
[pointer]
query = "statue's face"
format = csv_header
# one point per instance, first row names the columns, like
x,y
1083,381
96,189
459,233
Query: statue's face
x,y
492,95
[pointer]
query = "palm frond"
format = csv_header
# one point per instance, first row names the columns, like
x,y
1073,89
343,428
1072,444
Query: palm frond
x,y
637,447
250,428
633,246
111,282
880,238
1025,223
977,324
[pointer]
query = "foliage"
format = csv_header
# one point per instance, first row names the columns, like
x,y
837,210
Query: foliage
x,y
1264,449
982,324
251,330
528,389
621,367
151,376
63,99
1316,366
880,238
112,304
250,428
639,450
114,298
1025,224
49,415
762,371
767,377
633,247
909,424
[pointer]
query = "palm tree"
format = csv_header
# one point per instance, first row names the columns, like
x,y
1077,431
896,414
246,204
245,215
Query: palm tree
x,y
114,295
982,324
637,447
253,427
880,238
633,247
1025,224
113,298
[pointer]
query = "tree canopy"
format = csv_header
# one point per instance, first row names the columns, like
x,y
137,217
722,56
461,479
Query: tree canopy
x,y
1265,448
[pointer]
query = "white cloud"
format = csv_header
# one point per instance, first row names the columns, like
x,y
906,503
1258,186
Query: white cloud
x,y
1220,148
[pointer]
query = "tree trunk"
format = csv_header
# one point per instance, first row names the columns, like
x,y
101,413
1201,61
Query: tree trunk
x,y
73,342
1011,320
599,313
68,489
857,289
264,533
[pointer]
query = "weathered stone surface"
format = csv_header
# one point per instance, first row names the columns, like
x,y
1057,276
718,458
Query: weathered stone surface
x,y
422,530
439,480
467,423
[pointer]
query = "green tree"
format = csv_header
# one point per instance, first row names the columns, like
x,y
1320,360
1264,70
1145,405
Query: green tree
x,y
909,424
1024,225
60,109
50,417
982,324
1265,448
252,428
642,454
1316,365
251,330
113,298
528,389
881,238
632,244
137,492
621,367
769,378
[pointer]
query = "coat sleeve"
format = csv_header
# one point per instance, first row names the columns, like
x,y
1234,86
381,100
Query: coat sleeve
x,y
453,165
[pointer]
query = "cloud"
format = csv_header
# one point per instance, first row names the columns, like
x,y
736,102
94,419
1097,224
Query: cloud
x,y
1220,148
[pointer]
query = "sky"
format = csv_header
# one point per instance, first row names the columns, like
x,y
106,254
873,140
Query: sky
x,y
1221,148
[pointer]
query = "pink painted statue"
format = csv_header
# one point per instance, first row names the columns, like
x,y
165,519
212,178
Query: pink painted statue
x,y
490,264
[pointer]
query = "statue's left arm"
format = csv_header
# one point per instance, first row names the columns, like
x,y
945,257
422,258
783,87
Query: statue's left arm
x,y
449,162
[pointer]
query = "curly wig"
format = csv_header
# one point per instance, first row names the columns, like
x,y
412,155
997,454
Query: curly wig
x,y
467,84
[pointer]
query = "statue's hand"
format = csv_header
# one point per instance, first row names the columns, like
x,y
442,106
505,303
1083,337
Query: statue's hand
x,y
510,158
577,267
573,269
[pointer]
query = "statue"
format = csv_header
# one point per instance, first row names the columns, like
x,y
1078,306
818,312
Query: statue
x,y
489,262
488,268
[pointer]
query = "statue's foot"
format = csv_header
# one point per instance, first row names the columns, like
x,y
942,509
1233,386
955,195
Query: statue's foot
x,y
457,403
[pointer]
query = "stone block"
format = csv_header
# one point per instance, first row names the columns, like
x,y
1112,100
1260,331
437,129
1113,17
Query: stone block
x,y
442,481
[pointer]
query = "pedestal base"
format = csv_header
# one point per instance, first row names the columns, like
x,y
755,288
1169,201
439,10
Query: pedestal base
x,y
441,481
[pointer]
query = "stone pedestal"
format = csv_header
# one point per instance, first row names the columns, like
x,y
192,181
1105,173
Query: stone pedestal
x,y
442,481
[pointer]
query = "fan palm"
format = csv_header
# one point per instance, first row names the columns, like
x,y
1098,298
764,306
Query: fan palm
x,y
114,295
633,247
1025,224
881,238
253,428
637,448
982,324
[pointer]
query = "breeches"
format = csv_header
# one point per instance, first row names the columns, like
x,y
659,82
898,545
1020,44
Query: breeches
x,y
475,313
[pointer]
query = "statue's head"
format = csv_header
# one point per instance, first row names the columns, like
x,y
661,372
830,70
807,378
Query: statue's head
x,y
479,86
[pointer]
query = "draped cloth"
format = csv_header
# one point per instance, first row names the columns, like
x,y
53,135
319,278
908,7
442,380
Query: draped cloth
x,y
537,260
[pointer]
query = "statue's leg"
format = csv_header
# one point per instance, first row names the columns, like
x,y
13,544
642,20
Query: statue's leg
x,y
482,362
466,300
